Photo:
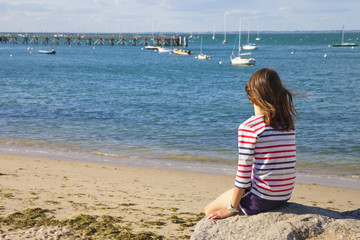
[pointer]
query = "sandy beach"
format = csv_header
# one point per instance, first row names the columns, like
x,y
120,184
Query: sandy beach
x,y
165,202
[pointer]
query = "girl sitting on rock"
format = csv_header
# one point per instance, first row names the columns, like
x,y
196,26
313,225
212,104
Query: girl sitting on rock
x,y
265,175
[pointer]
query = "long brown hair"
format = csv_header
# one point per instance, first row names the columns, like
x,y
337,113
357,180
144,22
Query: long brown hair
x,y
266,91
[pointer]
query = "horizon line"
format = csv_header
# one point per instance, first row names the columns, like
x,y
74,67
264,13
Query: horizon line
x,y
194,32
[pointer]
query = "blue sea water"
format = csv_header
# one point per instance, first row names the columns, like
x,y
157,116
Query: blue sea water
x,y
127,105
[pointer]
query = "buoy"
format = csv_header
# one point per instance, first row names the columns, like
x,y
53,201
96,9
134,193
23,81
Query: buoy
x,y
220,62
10,55
94,48
291,53
329,46
325,55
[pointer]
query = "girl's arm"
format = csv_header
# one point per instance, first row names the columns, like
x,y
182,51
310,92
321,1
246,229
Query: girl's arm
x,y
246,143
235,200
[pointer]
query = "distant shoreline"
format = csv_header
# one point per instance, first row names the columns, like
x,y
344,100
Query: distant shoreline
x,y
204,32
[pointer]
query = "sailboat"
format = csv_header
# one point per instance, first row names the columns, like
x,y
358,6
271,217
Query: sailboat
x,y
202,56
240,60
164,50
258,37
250,46
342,44
224,42
213,37
152,47
42,51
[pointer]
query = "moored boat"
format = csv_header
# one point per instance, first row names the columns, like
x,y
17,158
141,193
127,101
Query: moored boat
x,y
151,48
202,56
250,46
240,60
183,52
52,51
343,44
164,50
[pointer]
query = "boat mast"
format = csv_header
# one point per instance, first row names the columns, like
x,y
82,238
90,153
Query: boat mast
x,y
225,27
201,45
249,32
342,36
239,37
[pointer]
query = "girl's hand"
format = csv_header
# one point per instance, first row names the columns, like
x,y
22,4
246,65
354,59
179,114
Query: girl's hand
x,y
221,213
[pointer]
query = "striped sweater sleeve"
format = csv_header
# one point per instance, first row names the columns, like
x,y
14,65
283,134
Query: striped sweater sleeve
x,y
246,144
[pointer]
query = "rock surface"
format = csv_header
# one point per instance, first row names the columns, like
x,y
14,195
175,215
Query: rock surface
x,y
291,221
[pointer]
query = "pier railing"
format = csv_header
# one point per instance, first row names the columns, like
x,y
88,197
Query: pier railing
x,y
92,39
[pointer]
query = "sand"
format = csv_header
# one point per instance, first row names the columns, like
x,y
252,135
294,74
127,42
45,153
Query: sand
x,y
141,196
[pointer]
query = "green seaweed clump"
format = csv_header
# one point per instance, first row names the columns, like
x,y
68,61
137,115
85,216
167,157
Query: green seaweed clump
x,y
187,222
31,217
105,227
83,226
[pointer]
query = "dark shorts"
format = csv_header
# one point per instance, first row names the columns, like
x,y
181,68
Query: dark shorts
x,y
251,204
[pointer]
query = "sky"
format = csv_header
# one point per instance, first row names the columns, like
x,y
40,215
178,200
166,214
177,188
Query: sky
x,y
137,16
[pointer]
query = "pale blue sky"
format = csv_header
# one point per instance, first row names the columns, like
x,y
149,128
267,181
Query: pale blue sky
x,y
176,16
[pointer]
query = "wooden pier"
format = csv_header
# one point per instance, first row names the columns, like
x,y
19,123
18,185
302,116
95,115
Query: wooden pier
x,y
93,39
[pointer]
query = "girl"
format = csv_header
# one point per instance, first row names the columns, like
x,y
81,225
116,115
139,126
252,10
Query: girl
x,y
267,154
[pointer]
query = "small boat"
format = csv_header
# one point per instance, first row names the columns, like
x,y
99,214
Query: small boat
x,y
183,52
224,42
151,48
202,56
250,46
258,37
52,51
342,44
240,60
164,50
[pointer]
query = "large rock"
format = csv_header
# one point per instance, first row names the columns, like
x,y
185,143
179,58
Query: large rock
x,y
291,221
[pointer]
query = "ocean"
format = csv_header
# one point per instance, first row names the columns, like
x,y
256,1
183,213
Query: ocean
x,y
131,106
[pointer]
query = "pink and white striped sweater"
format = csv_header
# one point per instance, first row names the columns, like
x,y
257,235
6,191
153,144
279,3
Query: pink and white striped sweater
x,y
267,160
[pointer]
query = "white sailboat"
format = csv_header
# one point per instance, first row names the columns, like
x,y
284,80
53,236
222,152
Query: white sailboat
x,y
202,56
42,51
213,37
152,47
343,44
250,46
224,42
258,37
164,50
240,60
